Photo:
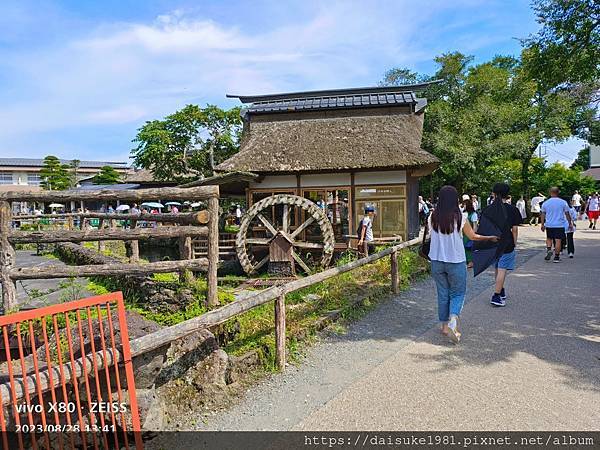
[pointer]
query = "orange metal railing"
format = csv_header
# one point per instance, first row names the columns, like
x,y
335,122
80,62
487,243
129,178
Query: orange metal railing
x,y
69,381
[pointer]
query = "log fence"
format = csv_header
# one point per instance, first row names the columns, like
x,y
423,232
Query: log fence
x,y
163,337
196,224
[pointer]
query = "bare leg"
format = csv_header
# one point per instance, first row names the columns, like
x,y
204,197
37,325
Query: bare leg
x,y
500,277
557,246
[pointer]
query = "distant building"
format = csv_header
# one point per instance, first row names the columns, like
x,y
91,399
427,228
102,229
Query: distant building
x,y
594,170
24,173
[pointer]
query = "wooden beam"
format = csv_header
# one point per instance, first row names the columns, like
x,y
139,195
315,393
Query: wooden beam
x,y
7,259
195,218
107,195
132,270
213,250
24,237
280,331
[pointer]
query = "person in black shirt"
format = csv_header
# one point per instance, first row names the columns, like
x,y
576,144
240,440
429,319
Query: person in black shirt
x,y
507,218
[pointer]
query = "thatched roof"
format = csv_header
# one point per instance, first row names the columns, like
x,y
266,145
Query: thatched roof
x,y
332,142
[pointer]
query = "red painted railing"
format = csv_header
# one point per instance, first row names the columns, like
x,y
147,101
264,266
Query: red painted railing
x,y
67,388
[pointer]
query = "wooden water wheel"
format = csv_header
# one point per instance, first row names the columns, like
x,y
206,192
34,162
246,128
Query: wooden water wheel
x,y
311,236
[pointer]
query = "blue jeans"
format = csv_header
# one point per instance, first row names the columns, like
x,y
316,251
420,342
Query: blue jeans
x,y
451,282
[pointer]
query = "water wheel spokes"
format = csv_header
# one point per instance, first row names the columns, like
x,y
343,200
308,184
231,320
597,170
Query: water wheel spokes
x,y
301,251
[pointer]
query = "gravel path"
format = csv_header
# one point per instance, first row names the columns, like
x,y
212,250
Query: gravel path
x,y
282,401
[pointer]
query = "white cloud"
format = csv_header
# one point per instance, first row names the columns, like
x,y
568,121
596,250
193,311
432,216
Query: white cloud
x,y
117,74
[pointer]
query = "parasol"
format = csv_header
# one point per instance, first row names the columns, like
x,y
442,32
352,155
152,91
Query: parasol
x,y
153,205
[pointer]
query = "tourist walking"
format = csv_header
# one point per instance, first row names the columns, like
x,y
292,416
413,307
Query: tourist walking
x,y
423,211
365,231
506,218
571,232
555,218
521,207
576,201
475,201
471,216
536,208
447,253
593,210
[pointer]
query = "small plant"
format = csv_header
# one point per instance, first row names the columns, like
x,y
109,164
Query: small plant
x,y
73,290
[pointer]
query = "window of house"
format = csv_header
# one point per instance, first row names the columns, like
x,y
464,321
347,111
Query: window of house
x,y
389,203
6,178
34,179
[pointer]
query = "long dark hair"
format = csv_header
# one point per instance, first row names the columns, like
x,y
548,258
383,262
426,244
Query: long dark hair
x,y
469,206
446,216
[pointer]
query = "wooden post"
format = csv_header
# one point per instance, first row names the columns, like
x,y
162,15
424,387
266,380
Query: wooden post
x,y
134,246
394,267
213,251
7,259
70,222
280,331
101,244
185,252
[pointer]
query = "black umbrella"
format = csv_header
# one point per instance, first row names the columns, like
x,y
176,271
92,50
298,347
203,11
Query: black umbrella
x,y
485,253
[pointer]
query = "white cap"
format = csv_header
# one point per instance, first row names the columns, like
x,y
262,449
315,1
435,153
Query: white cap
x,y
466,197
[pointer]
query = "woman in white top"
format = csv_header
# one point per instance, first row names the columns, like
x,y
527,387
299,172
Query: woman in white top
x,y
521,207
447,253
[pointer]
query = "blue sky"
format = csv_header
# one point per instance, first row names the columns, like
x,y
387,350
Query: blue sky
x,y
78,77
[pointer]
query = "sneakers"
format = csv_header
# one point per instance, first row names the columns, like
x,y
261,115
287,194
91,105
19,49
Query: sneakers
x,y
571,255
497,300
453,332
503,295
548,255
556,258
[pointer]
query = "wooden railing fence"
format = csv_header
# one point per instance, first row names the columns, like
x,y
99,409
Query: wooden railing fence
x,y
204,223
160,338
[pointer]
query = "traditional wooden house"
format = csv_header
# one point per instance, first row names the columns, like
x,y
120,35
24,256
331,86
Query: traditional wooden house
x,y
341,149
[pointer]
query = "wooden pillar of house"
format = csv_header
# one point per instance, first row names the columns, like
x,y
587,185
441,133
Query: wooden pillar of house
x,y
352,203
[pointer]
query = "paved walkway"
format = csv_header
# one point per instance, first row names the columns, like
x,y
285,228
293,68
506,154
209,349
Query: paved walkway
x,y
534,365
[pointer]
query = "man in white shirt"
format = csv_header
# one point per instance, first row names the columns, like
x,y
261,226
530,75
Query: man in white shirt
x,y
576,201
365,237
556,218
536,208
593,210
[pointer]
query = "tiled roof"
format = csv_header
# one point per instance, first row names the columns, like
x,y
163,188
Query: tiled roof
x,y
593,172
337,102
333,99
39,162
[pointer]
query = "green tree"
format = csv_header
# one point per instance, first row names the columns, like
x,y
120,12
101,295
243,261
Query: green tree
x,y
55,175
567,47
583,159
74,169
568,180
188,143
107,175
483,115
